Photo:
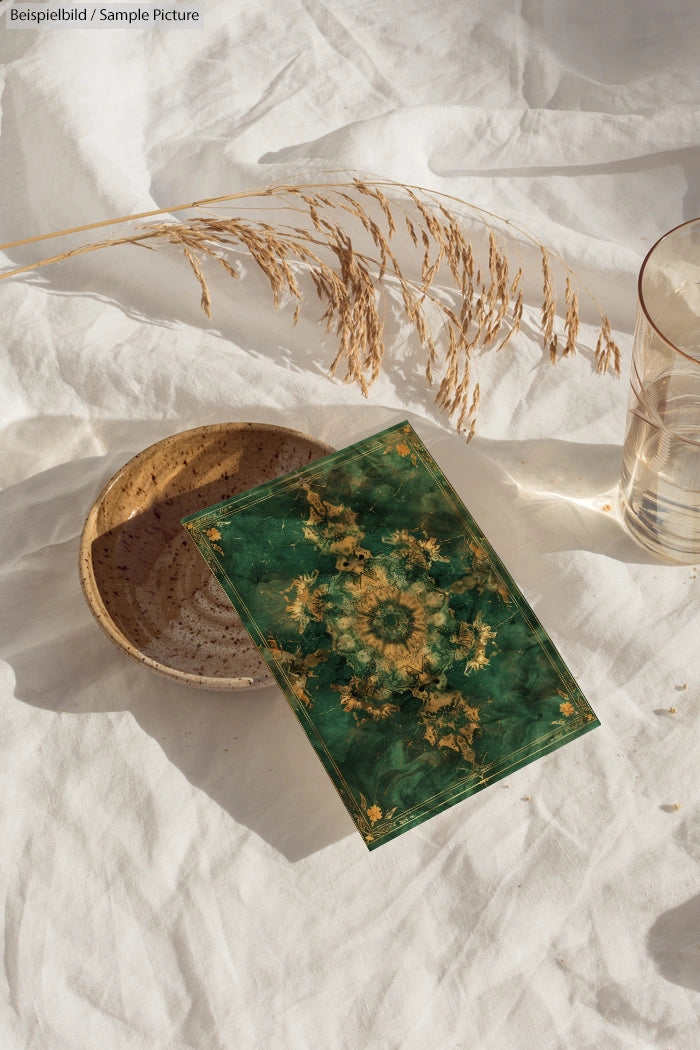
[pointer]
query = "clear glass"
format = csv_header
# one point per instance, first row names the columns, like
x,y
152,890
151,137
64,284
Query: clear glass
x,y
660,483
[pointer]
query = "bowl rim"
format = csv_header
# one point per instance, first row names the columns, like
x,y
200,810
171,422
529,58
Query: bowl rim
x,y
88,582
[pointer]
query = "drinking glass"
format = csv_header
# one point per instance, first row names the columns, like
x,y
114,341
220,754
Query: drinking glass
x,y
659,489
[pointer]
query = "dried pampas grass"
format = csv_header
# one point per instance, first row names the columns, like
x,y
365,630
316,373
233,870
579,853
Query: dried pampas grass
x,y
460,298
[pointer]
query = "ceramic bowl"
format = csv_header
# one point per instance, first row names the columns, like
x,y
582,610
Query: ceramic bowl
x,y
143,577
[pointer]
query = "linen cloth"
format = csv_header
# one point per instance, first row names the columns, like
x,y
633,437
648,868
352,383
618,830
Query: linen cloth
x,y
177,871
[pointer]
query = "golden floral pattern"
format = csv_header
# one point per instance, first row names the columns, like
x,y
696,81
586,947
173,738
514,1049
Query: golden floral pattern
x,y
392,624
415,666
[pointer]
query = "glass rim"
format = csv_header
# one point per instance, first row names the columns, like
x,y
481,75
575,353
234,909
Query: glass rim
x,y
640,294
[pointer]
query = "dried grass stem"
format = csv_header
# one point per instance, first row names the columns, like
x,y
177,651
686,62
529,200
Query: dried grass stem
x,y
479,308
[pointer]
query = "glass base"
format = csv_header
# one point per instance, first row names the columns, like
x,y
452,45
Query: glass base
x,y
651,525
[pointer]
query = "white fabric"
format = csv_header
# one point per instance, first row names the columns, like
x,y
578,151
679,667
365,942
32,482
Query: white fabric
x,y
176,870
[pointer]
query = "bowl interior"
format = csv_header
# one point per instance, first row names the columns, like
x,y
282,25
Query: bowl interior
x,y
142,575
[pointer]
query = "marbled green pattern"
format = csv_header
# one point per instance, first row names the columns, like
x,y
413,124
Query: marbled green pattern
x,y
410,657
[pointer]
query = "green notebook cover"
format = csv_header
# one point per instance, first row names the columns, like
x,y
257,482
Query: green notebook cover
x,y
415,666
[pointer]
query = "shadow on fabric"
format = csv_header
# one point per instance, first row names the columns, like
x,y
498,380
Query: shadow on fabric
x,y
246,750
674,944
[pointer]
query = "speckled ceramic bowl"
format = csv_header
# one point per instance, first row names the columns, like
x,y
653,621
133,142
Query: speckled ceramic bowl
x,y
141,574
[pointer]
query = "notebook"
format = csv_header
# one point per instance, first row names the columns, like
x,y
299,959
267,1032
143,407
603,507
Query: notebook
x,y
416,668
